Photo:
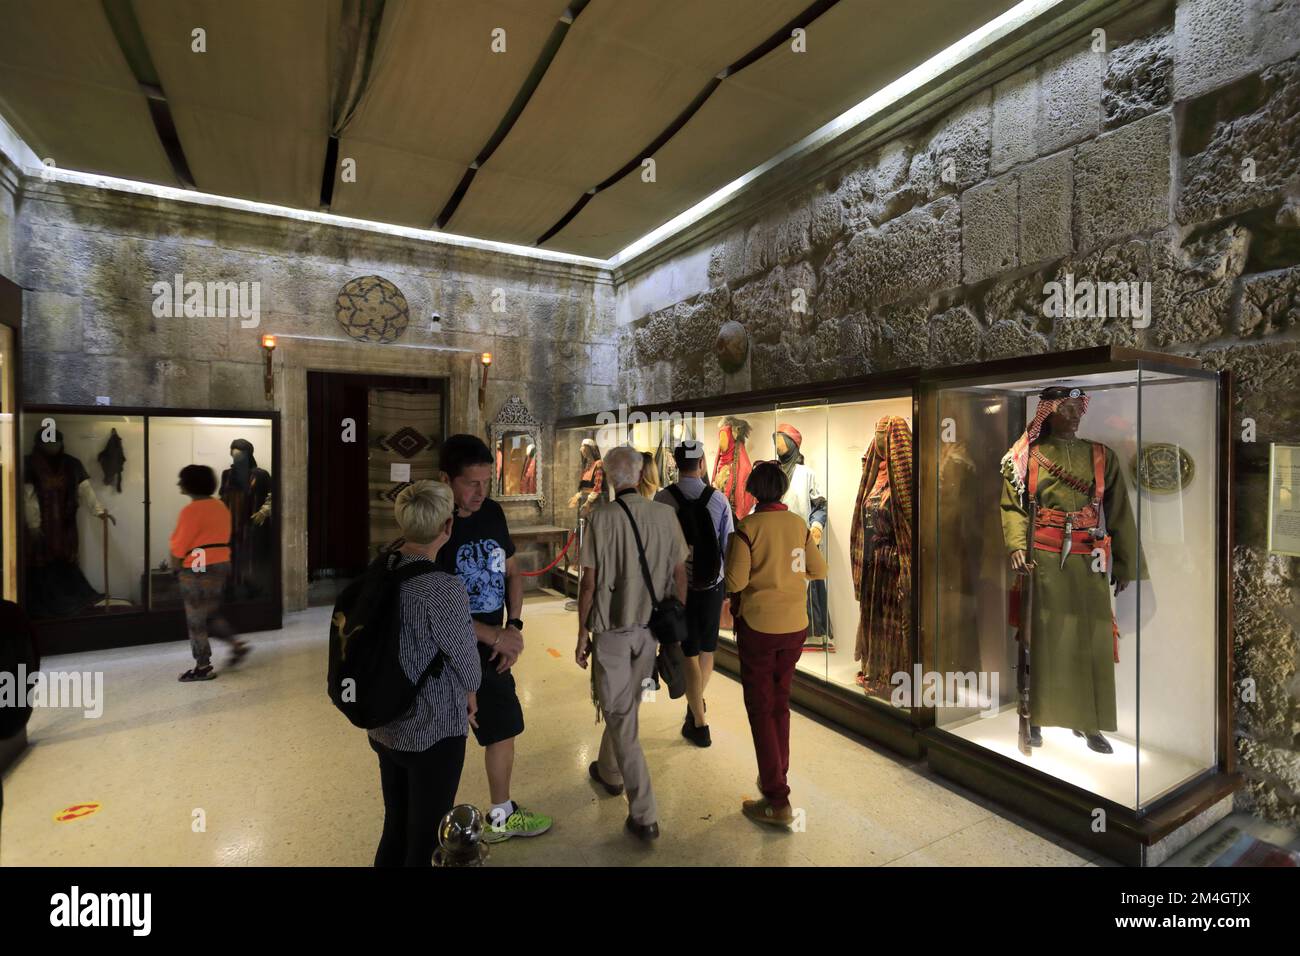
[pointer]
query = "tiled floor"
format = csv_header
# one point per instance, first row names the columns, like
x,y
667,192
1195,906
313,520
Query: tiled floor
x,y
282,779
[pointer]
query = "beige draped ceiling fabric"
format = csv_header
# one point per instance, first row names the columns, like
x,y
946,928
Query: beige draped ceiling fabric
x,y
67,90
860,46
413,90
436,93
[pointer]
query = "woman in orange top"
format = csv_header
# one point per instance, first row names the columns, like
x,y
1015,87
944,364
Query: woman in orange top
x,y
200,552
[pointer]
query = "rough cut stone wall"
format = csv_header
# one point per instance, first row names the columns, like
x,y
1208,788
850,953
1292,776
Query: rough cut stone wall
x,y
89,257
8,188
1128,164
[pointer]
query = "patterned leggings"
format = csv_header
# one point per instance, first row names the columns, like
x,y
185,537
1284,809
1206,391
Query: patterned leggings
x,y
202,592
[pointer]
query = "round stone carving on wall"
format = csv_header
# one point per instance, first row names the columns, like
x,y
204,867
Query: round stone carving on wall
x,y
732,346
372,309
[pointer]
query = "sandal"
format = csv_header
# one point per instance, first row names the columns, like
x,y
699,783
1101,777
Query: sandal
x,y
239,652
197,673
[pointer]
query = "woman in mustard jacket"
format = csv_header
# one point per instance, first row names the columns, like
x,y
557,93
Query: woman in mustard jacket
x,y
770,561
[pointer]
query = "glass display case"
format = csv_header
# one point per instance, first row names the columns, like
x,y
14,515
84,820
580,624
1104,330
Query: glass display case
x,y
99,503
846,447
10,367
1074,529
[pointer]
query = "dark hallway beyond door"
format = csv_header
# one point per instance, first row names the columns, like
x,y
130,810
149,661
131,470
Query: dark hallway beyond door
x,y
365,434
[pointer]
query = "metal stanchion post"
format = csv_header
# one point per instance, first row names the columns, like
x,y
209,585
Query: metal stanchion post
x,y
572,605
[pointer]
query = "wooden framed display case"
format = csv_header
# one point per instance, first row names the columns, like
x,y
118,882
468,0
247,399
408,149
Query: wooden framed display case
x,y
92,582
826,431
11,320
1127,739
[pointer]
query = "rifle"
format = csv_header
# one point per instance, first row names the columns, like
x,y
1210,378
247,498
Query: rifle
x,y
1024,635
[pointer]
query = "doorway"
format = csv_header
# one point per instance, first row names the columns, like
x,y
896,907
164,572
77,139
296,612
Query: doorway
x,y
368,436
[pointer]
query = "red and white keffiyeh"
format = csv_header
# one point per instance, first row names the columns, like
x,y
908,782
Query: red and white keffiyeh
x,y
1015,463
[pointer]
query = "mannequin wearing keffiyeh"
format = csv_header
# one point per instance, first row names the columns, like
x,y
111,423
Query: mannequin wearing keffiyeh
x,y
881,551
1075,642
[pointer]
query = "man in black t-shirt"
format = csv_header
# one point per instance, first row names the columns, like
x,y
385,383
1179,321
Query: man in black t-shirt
x,y
481,553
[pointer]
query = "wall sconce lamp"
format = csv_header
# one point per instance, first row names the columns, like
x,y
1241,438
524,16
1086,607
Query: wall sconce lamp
x,y
268,348
486,361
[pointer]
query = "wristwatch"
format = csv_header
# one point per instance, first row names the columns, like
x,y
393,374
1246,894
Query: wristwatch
x,y
517,624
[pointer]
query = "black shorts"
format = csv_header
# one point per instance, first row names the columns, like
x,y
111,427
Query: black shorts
x,y
499,715
703,615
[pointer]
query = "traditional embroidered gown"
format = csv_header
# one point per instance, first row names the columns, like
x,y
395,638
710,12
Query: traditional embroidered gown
x,y
731,467
1073,648
56,586
882,552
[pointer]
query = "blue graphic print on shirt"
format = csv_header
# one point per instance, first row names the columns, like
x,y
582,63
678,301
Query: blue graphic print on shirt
x,y
482,566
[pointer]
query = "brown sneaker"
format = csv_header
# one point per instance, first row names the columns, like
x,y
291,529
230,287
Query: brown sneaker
x,y
761,811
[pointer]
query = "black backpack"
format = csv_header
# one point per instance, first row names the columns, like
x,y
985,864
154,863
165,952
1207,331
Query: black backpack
x,y
17,646
366,681
701,536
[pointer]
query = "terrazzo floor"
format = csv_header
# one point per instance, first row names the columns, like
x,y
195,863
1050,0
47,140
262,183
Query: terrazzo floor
x,y
278,777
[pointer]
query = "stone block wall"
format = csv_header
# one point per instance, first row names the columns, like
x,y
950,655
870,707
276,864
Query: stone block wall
x,y
1170,156
9,180
87,259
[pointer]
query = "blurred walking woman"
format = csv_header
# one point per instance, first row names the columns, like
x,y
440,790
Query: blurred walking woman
x,y
421,753
770,560
200,551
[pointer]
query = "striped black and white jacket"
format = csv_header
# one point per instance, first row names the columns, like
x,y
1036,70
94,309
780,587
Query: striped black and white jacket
x,y
435,616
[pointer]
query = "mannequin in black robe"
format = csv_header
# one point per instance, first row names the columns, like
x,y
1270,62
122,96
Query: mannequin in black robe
x,y
56,485
246,491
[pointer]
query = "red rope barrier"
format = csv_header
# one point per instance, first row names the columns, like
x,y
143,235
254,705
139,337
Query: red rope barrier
x,y
533,574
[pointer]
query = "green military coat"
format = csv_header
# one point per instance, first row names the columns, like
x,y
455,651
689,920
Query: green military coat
x,y
1072,651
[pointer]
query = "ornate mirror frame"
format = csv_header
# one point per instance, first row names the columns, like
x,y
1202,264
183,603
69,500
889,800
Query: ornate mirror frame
x,y
515,417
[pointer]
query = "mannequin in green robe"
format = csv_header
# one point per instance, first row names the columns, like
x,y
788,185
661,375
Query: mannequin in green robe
x,y
1073,650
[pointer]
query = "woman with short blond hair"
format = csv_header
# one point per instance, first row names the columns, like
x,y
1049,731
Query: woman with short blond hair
x,y
422,752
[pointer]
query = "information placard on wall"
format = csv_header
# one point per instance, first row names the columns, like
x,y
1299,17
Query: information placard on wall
x,y
1284,499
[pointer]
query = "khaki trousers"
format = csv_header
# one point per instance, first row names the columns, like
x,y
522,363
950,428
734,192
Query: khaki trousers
x,y
624,663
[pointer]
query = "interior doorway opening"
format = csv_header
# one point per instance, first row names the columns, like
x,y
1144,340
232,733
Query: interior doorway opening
x,y
368,436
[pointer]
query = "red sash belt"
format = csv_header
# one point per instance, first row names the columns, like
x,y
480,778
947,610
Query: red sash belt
x,y
1081,542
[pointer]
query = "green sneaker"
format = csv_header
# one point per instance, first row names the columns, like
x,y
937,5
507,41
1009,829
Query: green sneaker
x,y
521,823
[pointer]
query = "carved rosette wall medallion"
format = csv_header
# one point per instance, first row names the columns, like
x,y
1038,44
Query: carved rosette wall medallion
x,y
372,309
732,346
1163,468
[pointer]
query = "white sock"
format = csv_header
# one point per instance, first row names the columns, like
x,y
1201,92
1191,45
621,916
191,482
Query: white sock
x,y
499,812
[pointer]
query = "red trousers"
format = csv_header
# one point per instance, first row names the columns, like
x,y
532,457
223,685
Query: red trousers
x,y
767,663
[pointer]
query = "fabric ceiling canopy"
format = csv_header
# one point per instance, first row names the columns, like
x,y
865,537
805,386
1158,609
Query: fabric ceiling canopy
x,y
65,87
436,93
253,111
252,114
771,105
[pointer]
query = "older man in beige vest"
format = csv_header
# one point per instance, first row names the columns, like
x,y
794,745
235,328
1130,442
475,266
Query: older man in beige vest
x,y
614,605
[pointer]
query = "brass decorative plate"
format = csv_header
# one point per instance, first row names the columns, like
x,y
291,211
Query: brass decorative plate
x,y
1163,468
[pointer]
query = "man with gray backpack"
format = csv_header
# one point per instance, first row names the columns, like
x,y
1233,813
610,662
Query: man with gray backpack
x,y
706,523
